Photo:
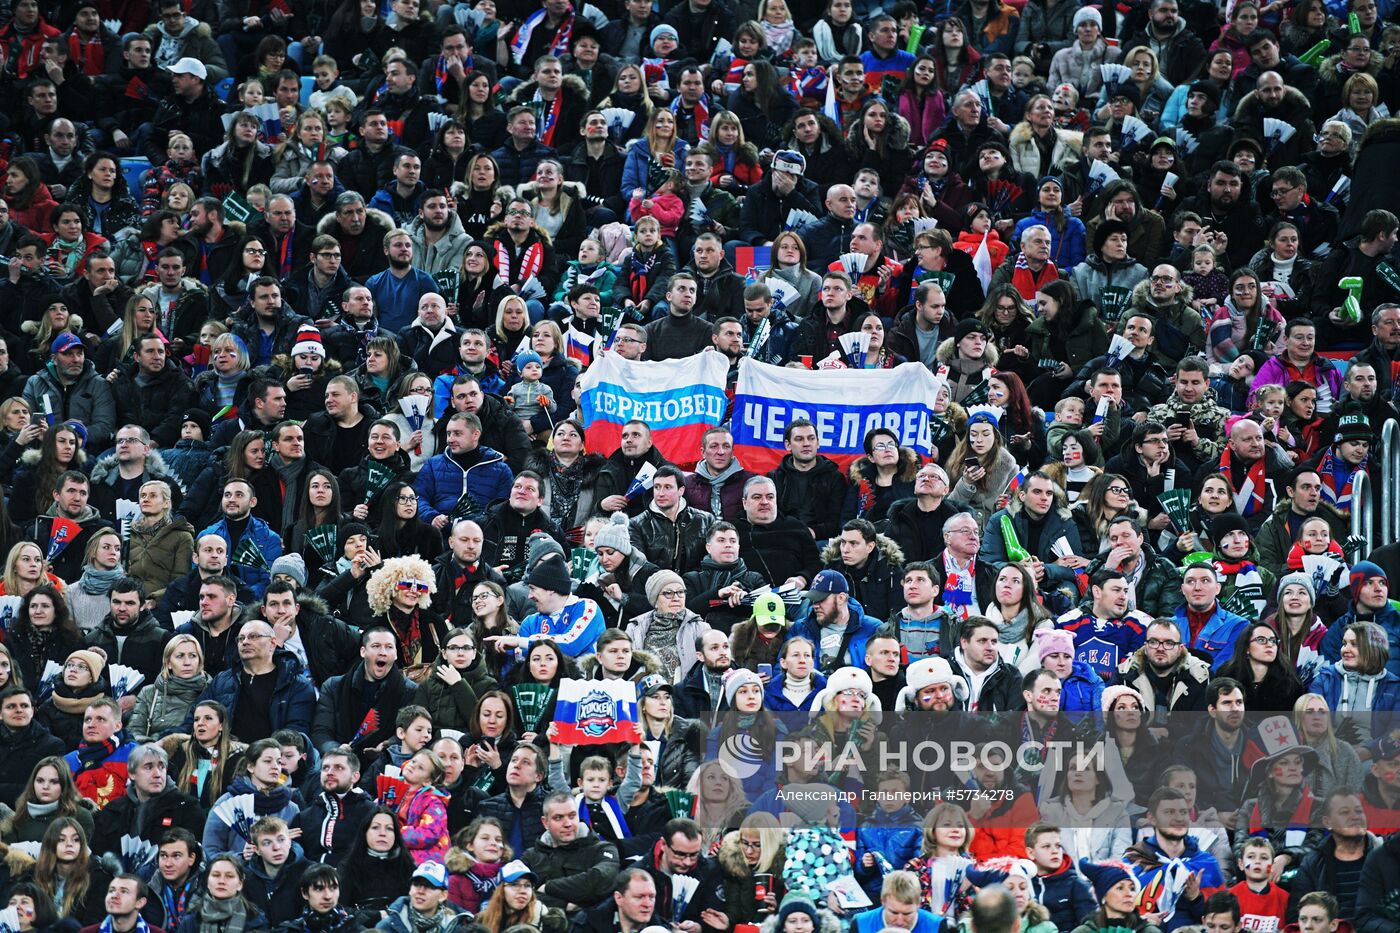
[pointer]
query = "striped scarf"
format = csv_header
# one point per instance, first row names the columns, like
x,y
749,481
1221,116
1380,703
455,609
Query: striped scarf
x,y
549,116
1337,479
1026,281
702,115
612,811
531,262
959,588
557,48
1249,497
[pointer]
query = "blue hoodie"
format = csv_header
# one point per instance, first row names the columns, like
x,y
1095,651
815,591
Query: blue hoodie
x,y
1217,636
860,628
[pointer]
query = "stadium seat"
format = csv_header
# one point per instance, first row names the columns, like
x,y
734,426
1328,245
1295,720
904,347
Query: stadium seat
x,y
308,84
133,168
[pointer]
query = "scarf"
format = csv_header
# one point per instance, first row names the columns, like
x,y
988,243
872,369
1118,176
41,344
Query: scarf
x,y
1337,479
287,474
76,703
93,754
531,262
779,35
410,635
549,116
1249,495
563,495
660,638
92,61
176,904
1298,821
314,922
557,48
226,386
728,155
1249,584
1026,281
47,809
702,116
106,925
639,275
959,588
421,922
216,916
440,74
612,812
95,582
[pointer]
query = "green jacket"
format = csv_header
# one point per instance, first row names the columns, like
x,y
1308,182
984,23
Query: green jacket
x,y
1274,539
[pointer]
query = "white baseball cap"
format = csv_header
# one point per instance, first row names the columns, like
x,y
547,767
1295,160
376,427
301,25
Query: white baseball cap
x,y
189,66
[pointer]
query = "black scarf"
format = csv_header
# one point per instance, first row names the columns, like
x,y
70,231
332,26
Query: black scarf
x,y
568,485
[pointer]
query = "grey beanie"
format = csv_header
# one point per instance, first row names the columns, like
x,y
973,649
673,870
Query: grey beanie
x,y
615,534
1304,580
292,565
659,581
537,546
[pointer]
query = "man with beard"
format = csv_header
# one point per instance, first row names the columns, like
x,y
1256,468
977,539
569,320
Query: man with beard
x,y
23,742
244,533
459,571
330,822
1168,677
1273,98
210,246
70,389
155,396
316,289
1360,396
1366,256
992,685
721,211
782,190
524,252
1179,51
439,241
361,235
1177,324
701,691
835,623
71,496
1383,352
213,623
509,524
130,635
1215,749
266,325
323,645
358,708
1226,210
1152,578
634,451
398,289
1170,848
916,524
778,546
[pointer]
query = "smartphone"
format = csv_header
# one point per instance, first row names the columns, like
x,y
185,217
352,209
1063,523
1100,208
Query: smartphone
x,y
765,670
970,462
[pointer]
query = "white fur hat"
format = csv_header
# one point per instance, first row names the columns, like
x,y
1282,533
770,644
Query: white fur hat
x,y
926,673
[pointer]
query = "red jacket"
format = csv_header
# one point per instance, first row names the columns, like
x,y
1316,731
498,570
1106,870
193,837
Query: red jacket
x,y
969,242
24,50
91,242
38,215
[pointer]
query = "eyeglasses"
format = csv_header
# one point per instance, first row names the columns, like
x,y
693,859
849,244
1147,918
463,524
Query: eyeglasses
x,y
1164,279
517,212
884,446
1119,490
247,638
479,597
328,255
466,649
673,594
418,585
1159,643
1280,192
1265,639
407,499
254,251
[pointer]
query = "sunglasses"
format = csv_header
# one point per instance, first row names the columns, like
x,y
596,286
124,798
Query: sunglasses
x,y
418,585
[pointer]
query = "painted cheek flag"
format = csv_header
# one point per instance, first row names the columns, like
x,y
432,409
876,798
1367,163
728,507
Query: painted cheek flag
x,y
61,534
680,399
596,712
845,405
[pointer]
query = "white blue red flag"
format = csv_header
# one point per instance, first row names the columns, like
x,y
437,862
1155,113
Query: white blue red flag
x,y
596,712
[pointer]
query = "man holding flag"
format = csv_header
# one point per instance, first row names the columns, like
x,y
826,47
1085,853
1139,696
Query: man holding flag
x,y
63,531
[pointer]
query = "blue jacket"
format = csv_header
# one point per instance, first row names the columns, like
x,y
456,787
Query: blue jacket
x,y
1057,525
1067,248
1384,698
1064,893
293,696
1387,618
1217,636
873,921
269,543
894,837
775,701
442,481
574,629
635,169
1081,691
860,628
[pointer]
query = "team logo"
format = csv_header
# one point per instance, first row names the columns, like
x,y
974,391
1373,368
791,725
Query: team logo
x,y
597,713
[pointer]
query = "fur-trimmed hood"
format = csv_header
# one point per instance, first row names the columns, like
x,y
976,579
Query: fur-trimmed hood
x,y
172,743
1295,107
372,216
105,469
572,190
31,456
1021,135
884,546
498,229
1140,300
75,324
908,467
898,133
947,350
18,863
1382,131
525,91
643,663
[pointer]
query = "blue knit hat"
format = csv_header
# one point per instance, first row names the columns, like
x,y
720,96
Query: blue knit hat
x,y
1104,875
525,357
796,904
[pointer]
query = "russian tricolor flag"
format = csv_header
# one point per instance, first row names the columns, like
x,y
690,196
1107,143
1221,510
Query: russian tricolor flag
x,y
596,712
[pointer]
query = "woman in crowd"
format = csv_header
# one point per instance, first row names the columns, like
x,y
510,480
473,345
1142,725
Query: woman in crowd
x,y
55,320
755,848
305,372
682,740
28,198
161,546
837,33
1270,683
48,796
880,478
1359,683
78,687
222,904
1104,498
161,707
489,617
400,533
1083,802
515,902
233,289
1338,765
384,367
658,146
1018,613
225,382
450,694
1299,629
510,331
920,102
980,467
1141,754
1068,333
69,874
208,760
313,536
629,93
1246,321
400,592
246,459
39,470
138,319
490,739
572,482
376,870
481,204
789,254
262,778
419,443
42,633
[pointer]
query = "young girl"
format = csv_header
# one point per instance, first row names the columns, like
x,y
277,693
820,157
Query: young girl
x,y
340,130
250,93
837,33
979,226
1269,401
197,361
726,71
648,266
1205,278
665,205
474,863
943,867
589,268
734,161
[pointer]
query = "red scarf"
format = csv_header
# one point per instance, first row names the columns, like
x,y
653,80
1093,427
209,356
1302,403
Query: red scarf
x,y
531,262
1301,818
1027,282
1252,487
90,55
550,123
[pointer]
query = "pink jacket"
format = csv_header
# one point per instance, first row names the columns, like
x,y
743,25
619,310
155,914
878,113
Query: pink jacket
x,y
423,818
668,209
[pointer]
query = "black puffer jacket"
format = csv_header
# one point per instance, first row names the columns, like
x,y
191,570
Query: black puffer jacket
x,y
20,751
813,497
877,585
702,587
595,485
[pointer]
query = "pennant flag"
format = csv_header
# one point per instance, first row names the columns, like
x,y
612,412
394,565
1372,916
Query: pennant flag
x,y
680,399
982,262
62,533
641,482
596,712
248,555
324,540
390,788
845,405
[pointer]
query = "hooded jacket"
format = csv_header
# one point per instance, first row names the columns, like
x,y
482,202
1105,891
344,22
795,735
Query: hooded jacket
x,y
444,255
572,872
860,628
161,706
88,399
293,696
444,480
878,584
128,815
194,40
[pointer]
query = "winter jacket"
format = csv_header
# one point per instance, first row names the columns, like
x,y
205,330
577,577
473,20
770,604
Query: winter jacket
x,y
88,399
813,497
20,751
161,707
341,709
677,544
156,404
572,872
329,824
1379,695
423,820
1057,524
860,628
878,584
106,477
139,645
444,480
399,920
444,255
221,836
267,541
1064,893
158,557
293,697
145,819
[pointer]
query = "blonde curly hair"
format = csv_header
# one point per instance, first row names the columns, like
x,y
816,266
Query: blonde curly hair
x,y
383,582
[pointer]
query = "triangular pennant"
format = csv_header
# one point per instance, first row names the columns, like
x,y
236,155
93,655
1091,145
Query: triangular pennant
x,y
63,532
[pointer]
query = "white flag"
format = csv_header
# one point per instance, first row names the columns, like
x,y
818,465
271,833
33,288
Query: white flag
x,y
982,262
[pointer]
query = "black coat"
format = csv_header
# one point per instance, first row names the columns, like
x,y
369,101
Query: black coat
x,y
703,585
342,708
126,816
814,497
782,549
158,406
141,645
20,751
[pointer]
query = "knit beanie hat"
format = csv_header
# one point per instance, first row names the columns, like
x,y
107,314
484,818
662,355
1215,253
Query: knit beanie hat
x,y
659,581
95,661
308,341
200,417
525,358
551,575
1049,641
350,529
736,677
1363,571
1113,694
1225,523
1088,13
797,904
292,565
664,29
537,546
1304,580
615,534
1104,875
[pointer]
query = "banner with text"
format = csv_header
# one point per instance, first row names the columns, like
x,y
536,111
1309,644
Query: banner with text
x,y
679,399
845,405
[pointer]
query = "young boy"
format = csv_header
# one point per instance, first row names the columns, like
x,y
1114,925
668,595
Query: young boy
x,y
808,77
647,269
529,396
320,891
1262,903
603,812
1058,884
414,728
294,755
891,836
274,871
1069,416
1317,913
